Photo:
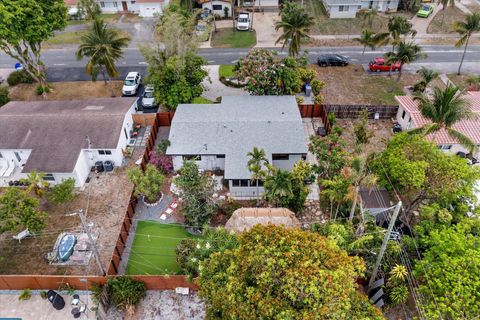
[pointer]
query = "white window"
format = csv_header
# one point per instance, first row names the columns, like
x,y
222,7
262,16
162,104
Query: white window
x,y
115,4
445,146
343,8
102,4
48,177
17,155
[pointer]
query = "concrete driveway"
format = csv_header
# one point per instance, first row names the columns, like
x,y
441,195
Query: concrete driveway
x,y
264,25
421,24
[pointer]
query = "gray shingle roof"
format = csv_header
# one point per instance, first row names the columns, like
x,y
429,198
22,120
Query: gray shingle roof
x,y
235,126
56,130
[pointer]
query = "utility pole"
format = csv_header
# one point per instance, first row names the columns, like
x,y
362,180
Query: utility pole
x,y
87,230
385,243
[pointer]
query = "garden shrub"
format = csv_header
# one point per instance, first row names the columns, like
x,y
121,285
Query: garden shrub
x,y
25,295
306,75
125,292
17,77
4,97
63,191
317,86
39,90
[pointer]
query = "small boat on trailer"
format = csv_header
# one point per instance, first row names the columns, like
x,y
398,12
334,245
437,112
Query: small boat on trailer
x,y
65,248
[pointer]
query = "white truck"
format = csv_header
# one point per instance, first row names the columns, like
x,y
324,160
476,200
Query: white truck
x,y
243,21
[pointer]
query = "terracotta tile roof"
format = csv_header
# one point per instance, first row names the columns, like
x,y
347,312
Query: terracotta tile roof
x,y
470,128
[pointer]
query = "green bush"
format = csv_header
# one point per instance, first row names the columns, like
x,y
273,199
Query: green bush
x,y
317,86
25,295
125,292
43,294
306,75
17,77
39,90
147,184
63,191
4,98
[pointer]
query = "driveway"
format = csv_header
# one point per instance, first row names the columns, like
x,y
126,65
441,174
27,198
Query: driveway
x,y
421,24
264,25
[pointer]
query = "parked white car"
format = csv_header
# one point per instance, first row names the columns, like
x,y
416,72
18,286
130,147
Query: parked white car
x,y
243,21
131,84
148,100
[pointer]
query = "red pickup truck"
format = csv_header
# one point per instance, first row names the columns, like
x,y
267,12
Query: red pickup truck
x,y
379,64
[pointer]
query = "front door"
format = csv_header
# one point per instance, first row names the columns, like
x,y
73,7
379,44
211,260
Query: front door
x,y
124,5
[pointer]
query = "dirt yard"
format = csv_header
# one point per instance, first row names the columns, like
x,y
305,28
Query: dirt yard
x,y
67,90
444,20
109,196
352,85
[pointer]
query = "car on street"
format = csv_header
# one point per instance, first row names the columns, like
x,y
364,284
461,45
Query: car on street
x,y
243,21
131,84
380,65
425,11
148,99
326,60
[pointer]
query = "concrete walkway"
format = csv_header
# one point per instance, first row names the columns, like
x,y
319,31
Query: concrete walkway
x,y
214,88
309,126
264,26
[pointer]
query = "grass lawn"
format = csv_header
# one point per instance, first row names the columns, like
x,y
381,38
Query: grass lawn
x,y
439,25
67,90
74,37
226,70
153,249
227,38
201,100
75,22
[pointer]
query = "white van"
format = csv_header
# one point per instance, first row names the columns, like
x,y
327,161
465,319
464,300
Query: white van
x,y
243,21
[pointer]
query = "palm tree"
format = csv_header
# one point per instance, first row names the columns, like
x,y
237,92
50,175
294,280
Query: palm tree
x,y
336,190
372,40
295,24
407,52
278,186
103,46
446,108
35,182
255,164
466,29
368,16
359,176
399,26
428,75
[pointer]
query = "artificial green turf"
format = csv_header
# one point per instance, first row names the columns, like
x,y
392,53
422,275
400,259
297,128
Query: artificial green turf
x,y
153,249
226,70
201,100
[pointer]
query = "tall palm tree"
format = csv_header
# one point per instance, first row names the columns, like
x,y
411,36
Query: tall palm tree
x,y
255,165
295,25
399,26
368,16
466,29
359,176
406,53
336,190
428,75
372,40
103,46
35,182
446,108
278,186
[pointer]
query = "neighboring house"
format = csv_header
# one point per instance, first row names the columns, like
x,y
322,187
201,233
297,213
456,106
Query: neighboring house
x,y
349,8
150,8
62,139
409,117
258,3
145,8
244,219
72,7
219,136
216,6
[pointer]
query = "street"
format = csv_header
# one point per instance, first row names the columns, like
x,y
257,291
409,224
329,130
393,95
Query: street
x,y
63,66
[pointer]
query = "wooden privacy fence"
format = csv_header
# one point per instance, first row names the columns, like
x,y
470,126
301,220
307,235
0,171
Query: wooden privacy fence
x,y
354,111
315,111
148,119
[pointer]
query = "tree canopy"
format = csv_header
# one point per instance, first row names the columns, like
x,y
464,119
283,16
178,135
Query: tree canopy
x,y
278,273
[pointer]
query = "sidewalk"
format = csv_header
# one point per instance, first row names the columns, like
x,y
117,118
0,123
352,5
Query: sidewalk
x,y
214,88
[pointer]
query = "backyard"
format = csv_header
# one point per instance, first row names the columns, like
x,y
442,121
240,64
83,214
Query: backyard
x,y
229,38
153,249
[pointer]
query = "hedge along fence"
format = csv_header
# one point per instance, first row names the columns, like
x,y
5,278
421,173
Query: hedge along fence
x,y
48,282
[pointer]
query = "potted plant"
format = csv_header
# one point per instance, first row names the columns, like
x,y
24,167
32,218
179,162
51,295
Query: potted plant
x,y
148,184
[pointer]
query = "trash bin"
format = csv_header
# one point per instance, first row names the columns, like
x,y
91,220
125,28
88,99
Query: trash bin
x,y
308,90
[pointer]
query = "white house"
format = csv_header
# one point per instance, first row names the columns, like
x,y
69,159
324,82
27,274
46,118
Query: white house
x,y
62,139
349,8
150,8
409,117
219,136
217,6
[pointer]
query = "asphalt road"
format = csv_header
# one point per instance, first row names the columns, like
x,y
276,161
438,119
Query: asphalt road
x,y
63,66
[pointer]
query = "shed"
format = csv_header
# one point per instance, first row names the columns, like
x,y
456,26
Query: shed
x,y
244,219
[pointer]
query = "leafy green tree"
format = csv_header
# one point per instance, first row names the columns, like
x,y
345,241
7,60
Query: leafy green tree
x,y
372,40
295,24
62,192
125,292
24,25
256,163
330,153
278,273
103,46
423,174
19,211
444,110
197,191
89,9
449,272
148,183
465,29
428,75
406,53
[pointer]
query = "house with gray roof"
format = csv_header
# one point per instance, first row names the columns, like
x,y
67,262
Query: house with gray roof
x,y
219,136
63,139
349,8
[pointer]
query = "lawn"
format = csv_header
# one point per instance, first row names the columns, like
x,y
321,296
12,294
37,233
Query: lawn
x,y
153,249
201,100
439,25
228,38
226,70
74,37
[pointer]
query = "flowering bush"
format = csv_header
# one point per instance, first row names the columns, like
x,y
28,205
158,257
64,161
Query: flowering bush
x,y
163,162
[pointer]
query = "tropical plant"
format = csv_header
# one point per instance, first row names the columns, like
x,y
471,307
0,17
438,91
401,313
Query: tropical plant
x,y
360,128
24,25
465,29
329,152
43,294
25,295
35,183
372,40
103,46
399,26
399,272
428,75
255,280
307,74
256,163
317,86
4,95
88,9
62,192
399,294
406,53
359,175
295,24
473,81
148,183
125,292
446,108
278,188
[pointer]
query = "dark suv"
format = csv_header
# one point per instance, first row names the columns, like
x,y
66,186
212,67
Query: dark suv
x,y
326,60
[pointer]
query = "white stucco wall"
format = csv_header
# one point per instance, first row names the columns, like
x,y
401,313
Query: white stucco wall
x,y
287,164
406,122
349,11
108,6
244,192
206,162
208,6
262,3
148,10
